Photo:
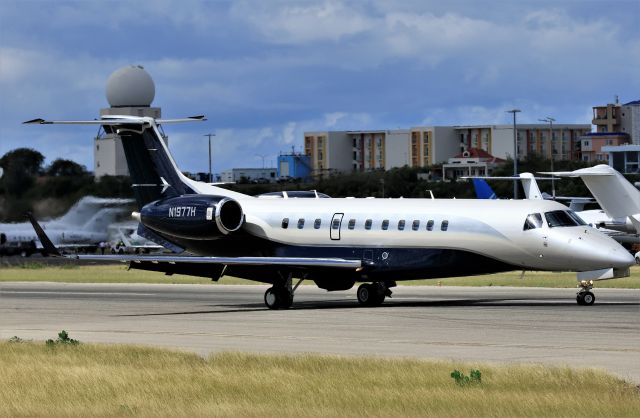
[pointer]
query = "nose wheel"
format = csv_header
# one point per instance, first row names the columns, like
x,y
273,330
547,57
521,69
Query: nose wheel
x,y
585,296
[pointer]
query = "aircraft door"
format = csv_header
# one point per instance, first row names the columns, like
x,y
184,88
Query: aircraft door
x,y
336,223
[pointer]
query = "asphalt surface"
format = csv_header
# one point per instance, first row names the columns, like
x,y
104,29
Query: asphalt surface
x,y
460,323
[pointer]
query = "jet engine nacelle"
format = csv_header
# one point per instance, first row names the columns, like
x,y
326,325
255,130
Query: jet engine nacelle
x,y
200,217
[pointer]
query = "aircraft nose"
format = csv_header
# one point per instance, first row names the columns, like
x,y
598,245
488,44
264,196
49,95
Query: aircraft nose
x,y
621,258
612,255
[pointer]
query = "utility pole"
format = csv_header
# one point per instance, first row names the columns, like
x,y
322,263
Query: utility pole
x,y
210,175
515,152
550,121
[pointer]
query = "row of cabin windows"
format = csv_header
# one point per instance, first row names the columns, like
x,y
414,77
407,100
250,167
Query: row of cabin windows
x,y
415,225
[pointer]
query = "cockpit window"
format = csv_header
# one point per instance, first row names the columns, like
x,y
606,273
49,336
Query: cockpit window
x,y
560,218
533,221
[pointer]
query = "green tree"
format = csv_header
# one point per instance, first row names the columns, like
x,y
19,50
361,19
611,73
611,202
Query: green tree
x,y
20,167
62,167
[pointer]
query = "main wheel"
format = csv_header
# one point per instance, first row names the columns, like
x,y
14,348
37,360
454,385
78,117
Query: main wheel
x,y
364,294
276,298
370,295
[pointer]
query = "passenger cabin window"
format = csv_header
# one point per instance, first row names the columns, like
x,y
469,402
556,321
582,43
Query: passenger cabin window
x,y
430,225
285,223
444,226
401,225
317,223
352,223
385,224
300,223
367,224
560,218
336,223
416,225
533,221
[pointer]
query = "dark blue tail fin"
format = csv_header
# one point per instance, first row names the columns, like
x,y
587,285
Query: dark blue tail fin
x,y
483,190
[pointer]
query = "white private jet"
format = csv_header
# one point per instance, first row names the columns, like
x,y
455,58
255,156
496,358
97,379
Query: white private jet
x,y
337,242
84,225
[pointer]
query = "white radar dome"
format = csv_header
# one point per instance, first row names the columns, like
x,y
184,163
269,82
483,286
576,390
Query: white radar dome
x,y
130,86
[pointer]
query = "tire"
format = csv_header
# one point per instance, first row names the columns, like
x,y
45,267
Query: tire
x,y
585,298
370,294
588,298
276,298
364,294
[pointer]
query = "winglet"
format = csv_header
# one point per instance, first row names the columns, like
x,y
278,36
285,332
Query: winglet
x,y
49,248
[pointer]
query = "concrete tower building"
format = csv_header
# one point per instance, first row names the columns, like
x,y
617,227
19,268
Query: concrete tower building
x,y
130,91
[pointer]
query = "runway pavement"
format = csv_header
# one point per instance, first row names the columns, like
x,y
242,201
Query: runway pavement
x,y
471,324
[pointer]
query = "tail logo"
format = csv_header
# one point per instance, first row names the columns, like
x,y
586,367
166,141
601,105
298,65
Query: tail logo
x,y
165,185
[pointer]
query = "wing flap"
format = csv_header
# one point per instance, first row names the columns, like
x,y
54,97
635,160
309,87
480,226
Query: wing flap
x,y
230,261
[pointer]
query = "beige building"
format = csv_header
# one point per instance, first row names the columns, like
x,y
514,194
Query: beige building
x,y
425,146
562,142
615,118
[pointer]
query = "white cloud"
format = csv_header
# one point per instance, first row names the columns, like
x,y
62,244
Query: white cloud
x,y
302,22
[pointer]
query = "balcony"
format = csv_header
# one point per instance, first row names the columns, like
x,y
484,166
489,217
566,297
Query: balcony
x,y
604,121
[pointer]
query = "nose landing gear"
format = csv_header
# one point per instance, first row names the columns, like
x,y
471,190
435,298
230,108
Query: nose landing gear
x,y
585,296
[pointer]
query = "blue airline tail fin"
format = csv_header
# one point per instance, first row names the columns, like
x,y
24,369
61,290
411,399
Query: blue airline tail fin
x,y
483,190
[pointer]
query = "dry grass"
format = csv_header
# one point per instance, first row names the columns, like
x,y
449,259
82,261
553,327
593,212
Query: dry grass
x,y
117,273
90,380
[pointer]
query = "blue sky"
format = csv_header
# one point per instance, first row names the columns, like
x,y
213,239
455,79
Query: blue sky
x,y
263,72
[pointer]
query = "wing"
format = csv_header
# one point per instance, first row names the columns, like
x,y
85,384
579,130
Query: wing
x,y
50,249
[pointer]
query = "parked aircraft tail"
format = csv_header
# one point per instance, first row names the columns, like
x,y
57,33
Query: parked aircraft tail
x,y
616,196
483,190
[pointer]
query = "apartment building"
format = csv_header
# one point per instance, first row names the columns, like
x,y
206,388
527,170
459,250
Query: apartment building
x,y
425,146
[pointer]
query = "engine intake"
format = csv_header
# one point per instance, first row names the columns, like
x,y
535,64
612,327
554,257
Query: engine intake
x,y
199,217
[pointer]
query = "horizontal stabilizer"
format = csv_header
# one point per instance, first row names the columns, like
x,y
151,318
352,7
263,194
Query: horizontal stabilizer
x,y
114,120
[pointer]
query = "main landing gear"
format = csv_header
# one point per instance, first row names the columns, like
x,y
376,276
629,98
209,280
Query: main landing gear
x,y
585,296
373,294
280,295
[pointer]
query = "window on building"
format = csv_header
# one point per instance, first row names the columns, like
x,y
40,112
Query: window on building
x,y
352,223
415,225
385,224
444,226
300,223
401,225
285,223
317,223
430,225
367,224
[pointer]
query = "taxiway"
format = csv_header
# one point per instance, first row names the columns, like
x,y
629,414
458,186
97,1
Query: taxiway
x,y
472,324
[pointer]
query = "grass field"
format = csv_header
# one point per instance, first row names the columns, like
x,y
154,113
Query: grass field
x,y
90,380
117,273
